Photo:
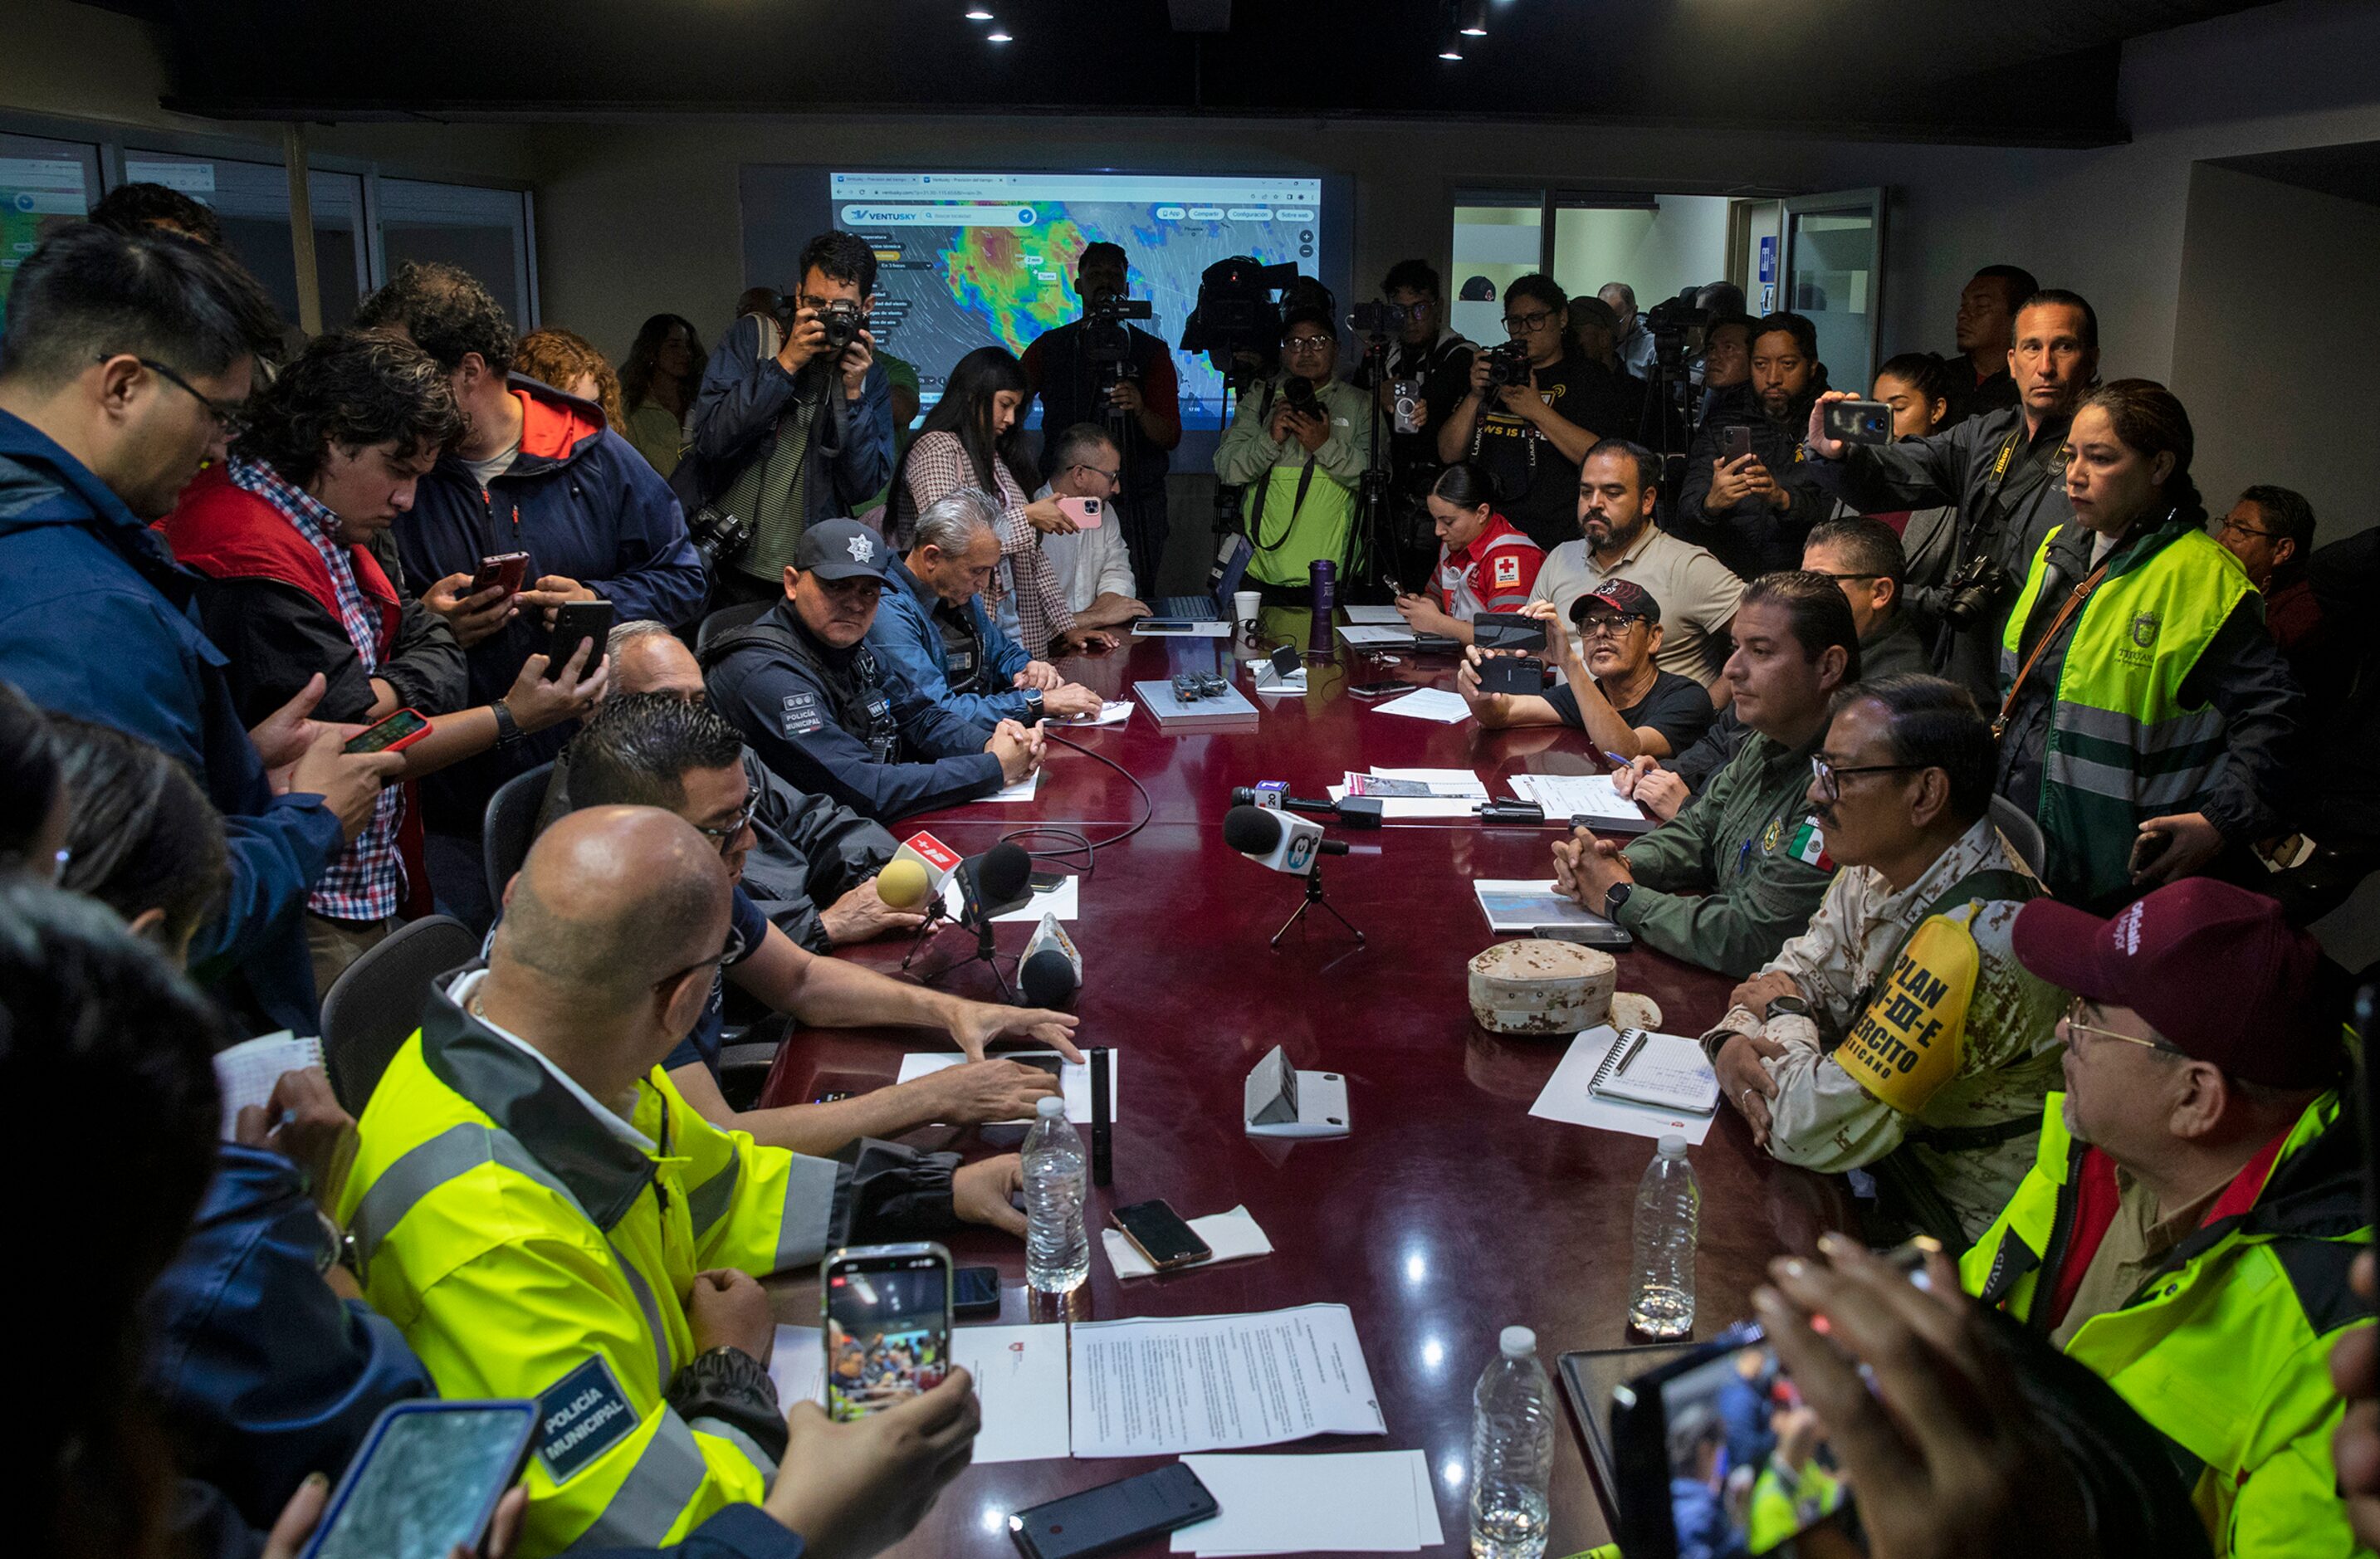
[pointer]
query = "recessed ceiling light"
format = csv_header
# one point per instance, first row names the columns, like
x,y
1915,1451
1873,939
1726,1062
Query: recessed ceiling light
x,y
998,37
978,13
1470,17
1453,49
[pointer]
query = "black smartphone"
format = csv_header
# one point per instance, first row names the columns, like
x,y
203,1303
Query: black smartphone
x,y
1735,443
1379,690
2147,849
395,734
2366,1008
1113,1515
1857,421
1522,675
1681,1433
975,1291
1159,1233
575,622
1508,630
428,1477
888,1325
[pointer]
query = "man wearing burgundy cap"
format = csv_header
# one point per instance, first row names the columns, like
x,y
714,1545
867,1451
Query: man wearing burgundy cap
x,y
1615,690
2188,1227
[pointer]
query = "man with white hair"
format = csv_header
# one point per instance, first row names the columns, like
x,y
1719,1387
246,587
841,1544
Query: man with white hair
x,y
935,641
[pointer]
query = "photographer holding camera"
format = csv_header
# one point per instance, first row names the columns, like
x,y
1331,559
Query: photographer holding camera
x,y
2005,471
1533,410
1423,369
1300,449
1101,369
793,424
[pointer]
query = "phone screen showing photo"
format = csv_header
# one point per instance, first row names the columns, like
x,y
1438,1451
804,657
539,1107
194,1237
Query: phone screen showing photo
x,y
1749,1468
888,1332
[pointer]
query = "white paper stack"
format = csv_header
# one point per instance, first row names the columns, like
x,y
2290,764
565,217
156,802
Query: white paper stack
x,y
1375,617
1570,1096
1588,796
1173,1384
1428,703
1344,1501
1364,634
1453,793
1113,712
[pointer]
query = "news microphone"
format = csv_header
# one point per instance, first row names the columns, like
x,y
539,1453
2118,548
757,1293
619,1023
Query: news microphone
x,y
1051,970
1278,840
1355,811
915,876
992,881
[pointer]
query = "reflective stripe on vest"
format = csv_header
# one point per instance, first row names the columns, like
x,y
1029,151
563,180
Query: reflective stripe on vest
x,y
647,1504
2121,748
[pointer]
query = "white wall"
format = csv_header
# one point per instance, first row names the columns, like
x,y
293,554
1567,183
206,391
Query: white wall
x,y
1681,243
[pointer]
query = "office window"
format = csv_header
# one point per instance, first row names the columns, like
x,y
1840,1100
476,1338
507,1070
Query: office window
x,y
485,232
252,201
43,185
1499,236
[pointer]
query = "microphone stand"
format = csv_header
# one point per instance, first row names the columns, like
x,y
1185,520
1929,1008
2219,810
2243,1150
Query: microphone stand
x,y
986,950
1314,898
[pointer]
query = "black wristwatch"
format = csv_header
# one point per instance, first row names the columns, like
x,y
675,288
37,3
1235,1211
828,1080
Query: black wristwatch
x,y
1613,897
1786,1007
508,730
1034,711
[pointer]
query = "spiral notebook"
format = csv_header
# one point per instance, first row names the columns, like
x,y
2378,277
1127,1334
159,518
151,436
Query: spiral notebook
x,y
1667,1071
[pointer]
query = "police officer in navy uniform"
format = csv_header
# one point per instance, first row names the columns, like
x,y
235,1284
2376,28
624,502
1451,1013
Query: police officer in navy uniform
x,y
812,701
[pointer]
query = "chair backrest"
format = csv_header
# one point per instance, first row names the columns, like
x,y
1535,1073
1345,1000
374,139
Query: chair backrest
x,y
2020,831
510,826
727,619
371,1008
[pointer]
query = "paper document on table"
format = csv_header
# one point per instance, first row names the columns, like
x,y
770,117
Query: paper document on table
x,y
1376,633
1441,782
1430,703
1073,1076
1021,791
1162,1386
245,1074
1588,796
1115,711
1065,901
1020,1380
1569,1096
1376,616
1338,1502
1233,1236
1395,808
1666,1071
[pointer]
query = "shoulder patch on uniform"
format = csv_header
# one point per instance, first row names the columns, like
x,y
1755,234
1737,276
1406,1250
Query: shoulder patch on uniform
x,y
800,715
1809,845
1507,567
581,1417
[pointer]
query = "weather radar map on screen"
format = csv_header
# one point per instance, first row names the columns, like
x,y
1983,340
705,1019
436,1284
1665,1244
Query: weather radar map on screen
x,y
965,260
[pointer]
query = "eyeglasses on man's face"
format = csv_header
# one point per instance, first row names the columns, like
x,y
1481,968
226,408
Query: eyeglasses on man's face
x,y
230,416
729,951
1605,625
1525,324
1830,779
2082,1007
1307,344
727,833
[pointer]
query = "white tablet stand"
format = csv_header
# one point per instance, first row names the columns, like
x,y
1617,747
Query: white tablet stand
x,y
1281,1102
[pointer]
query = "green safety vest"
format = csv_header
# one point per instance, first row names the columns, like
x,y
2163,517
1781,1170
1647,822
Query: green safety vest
x,y
2225,1350
2122,748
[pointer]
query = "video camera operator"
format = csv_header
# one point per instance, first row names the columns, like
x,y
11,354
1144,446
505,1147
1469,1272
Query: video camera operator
x,y
1101,370
793,424
1534,408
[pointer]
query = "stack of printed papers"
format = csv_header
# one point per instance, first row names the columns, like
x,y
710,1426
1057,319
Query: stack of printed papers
x,y
1406,794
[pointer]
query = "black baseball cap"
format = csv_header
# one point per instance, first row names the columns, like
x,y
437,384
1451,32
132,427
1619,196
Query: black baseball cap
x,y
843,549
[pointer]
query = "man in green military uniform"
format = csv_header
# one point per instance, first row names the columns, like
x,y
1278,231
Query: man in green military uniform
x,y
1743,866
2198,1199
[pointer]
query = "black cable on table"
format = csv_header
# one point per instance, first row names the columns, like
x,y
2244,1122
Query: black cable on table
x,y
1084,846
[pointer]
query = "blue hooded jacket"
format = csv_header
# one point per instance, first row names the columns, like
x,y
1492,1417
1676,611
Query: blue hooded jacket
x,y
584,504
908,645
96,621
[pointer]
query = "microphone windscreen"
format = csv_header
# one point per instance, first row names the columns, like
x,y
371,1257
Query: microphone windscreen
x,y
901,884
1047,979
1252,831
1003,873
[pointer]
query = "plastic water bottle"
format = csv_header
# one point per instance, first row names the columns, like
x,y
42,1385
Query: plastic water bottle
x,y
1511,1451
1669,1206
1057,1250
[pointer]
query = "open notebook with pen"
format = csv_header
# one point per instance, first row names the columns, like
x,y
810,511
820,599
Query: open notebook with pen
x,y
1664,1070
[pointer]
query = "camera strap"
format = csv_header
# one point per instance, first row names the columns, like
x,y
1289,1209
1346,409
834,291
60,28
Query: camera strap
x,y
1998,498
2073,603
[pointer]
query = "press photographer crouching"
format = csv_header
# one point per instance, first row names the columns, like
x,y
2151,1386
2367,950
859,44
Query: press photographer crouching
x,y
1300,447
793,424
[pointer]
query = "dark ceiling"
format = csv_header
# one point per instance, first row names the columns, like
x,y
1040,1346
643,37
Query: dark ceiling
x,y
2021,71
2352,171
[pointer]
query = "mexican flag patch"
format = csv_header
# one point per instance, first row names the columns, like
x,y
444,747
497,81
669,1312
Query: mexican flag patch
x,y
1809,845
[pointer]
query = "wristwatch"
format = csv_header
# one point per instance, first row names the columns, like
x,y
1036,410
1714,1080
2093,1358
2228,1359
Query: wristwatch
x,y
1614,896
1034,709
1786,1007
508,730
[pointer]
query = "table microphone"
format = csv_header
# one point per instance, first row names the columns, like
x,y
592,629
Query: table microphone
x,y
1280,840
902,884
1355,811
992,881
1051,970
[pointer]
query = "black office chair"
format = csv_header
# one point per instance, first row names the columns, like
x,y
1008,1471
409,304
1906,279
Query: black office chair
x,y
371,1008
2020,832
510,827
727,619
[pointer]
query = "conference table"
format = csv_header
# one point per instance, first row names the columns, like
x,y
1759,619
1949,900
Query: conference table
x,y
1450,1212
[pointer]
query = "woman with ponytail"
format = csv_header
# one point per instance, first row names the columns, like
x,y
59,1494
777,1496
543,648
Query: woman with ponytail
x,y
2145,714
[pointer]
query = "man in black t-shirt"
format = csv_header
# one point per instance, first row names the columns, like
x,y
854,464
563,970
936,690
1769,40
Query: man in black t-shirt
x,y
1626,705
1424,352
1533,438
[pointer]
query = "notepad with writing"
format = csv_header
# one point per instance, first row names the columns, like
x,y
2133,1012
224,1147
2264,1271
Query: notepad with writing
x,y
1667,1071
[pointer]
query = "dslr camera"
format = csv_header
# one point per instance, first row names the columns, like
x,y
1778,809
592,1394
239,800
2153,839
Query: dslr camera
x,y
1302,398
1507,364
1377,318
1969,595
719,537
841,321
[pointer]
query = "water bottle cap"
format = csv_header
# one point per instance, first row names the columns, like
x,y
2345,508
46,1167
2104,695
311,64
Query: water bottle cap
x,y
1518,1342
1050,1107
1672,1146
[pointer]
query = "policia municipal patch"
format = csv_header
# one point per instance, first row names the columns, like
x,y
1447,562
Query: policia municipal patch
x,y
581,1417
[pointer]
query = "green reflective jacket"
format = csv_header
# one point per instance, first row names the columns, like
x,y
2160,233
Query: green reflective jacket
x,y
2225,1350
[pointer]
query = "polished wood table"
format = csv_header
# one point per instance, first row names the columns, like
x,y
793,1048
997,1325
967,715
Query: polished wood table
x,y
1449,1212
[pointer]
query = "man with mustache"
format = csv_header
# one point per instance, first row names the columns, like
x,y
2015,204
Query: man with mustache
x,y
1946,1046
